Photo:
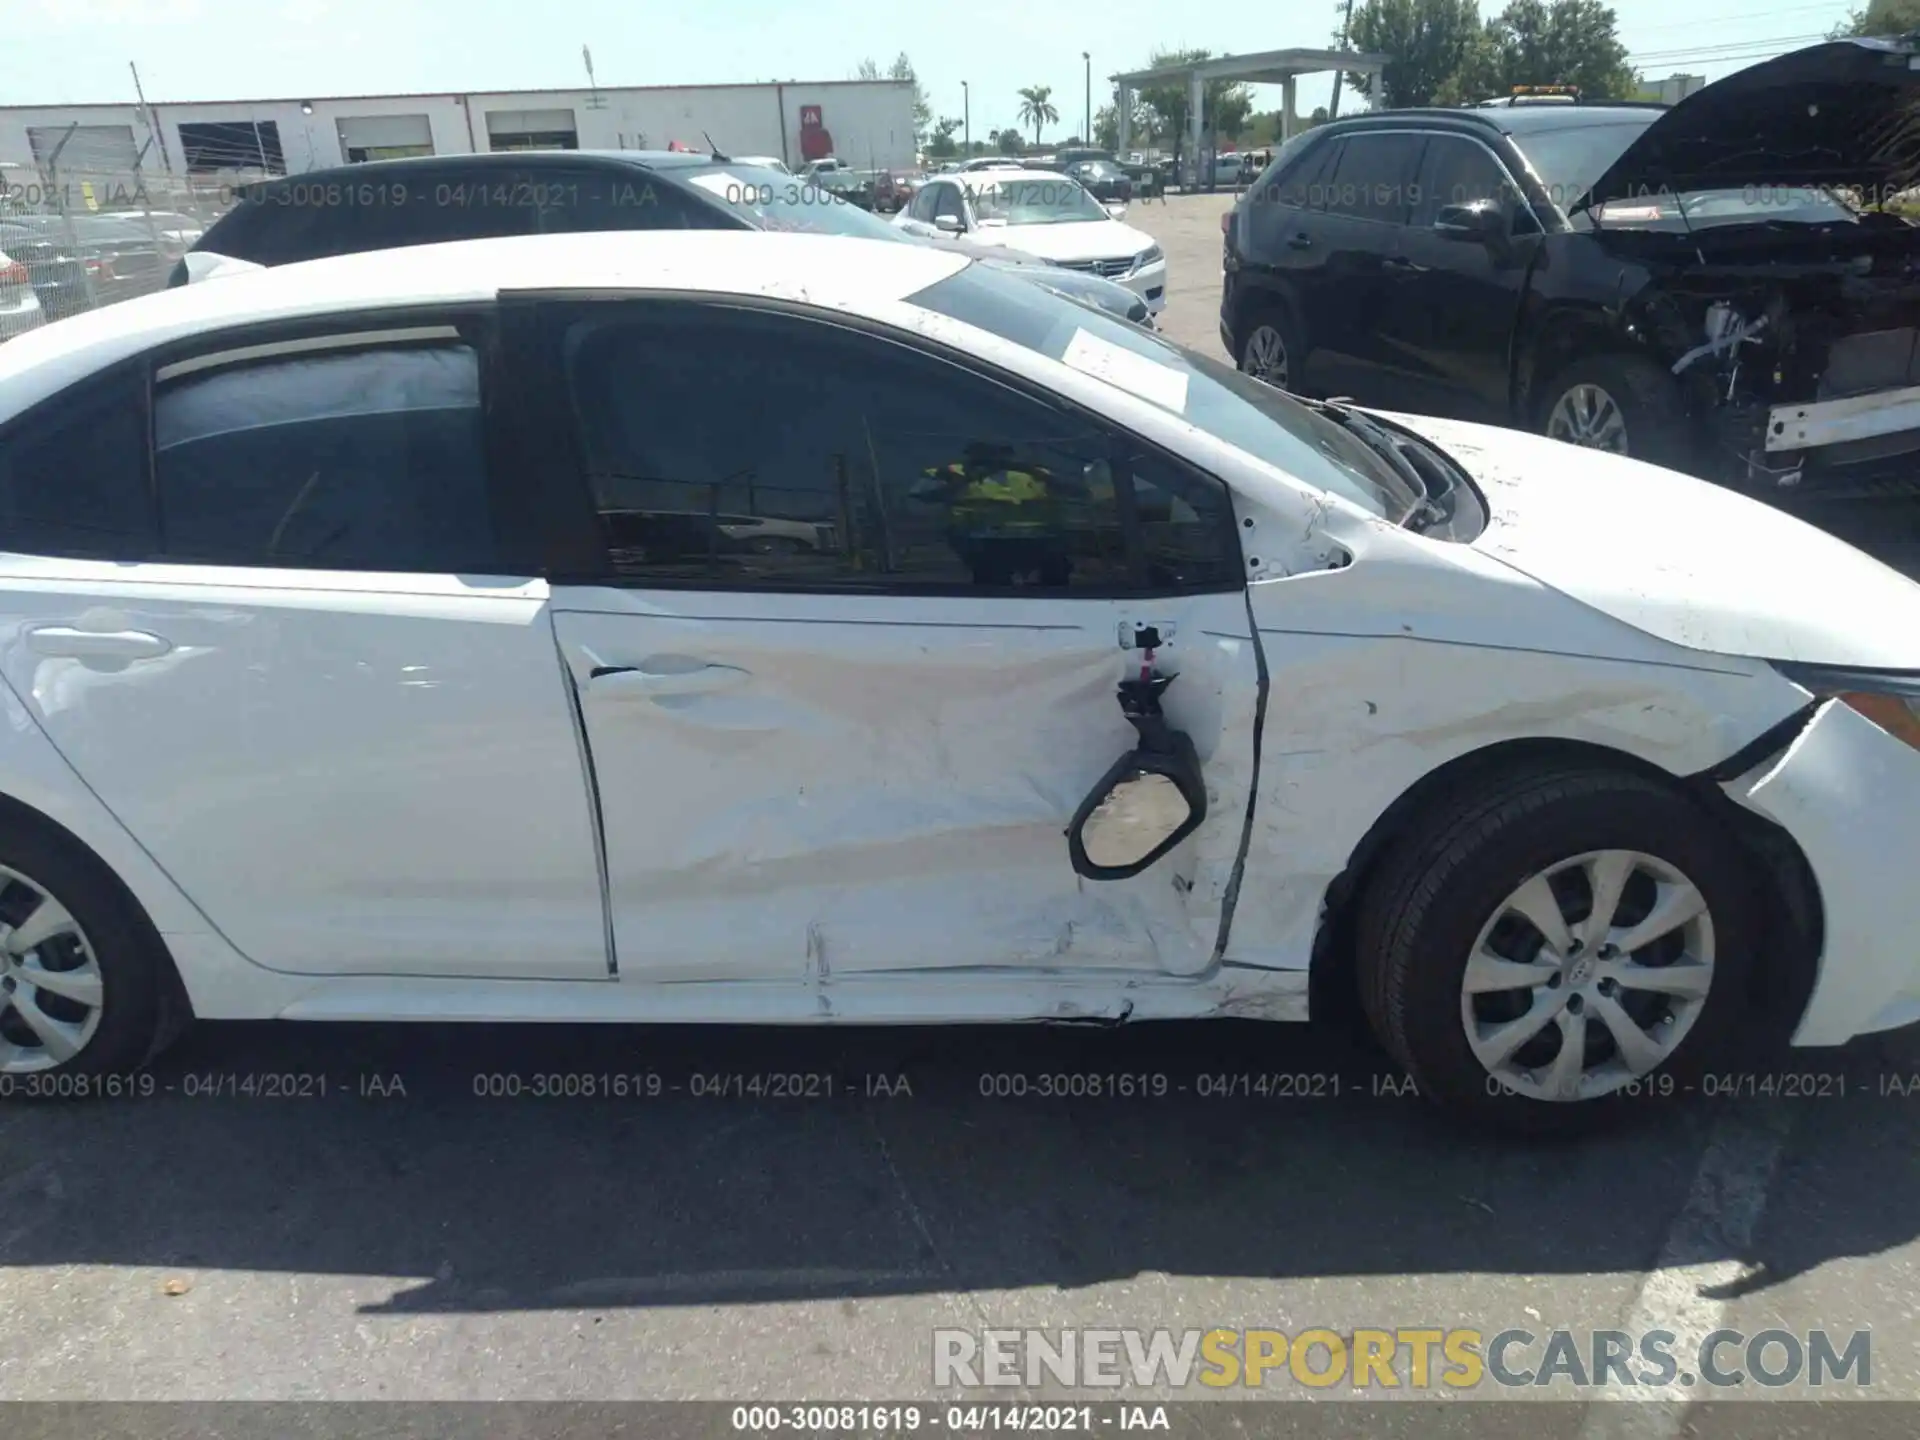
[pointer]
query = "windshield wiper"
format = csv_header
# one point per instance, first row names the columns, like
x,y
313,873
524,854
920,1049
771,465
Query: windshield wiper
x,y
1426,509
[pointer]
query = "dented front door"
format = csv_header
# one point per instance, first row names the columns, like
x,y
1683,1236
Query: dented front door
x,y
801,787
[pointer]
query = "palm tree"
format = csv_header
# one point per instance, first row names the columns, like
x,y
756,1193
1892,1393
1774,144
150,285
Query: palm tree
x,y
1036,110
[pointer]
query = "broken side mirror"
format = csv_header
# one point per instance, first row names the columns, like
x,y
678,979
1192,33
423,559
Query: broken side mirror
x,y
1151,799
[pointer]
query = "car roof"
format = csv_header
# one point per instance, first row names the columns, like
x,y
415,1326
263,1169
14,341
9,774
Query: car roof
x,y
831,271
378,170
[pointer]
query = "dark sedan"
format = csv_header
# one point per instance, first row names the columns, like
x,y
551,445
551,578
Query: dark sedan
x,y
1106,181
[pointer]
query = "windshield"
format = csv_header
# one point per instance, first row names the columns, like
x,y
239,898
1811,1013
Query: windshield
x,y
1251,416
1036,202
1568,159
769,200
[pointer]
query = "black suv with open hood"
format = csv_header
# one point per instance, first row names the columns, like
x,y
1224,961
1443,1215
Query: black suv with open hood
x,y
1725,286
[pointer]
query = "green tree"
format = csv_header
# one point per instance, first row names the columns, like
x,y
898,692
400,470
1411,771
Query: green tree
x,y
1036,109
867,70
940,142
1226,105
1425,42
902,69
1562,42
1010,141
1880,17
1106,126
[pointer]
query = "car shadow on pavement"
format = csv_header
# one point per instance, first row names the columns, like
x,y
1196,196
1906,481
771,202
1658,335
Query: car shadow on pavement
x,y
750,1165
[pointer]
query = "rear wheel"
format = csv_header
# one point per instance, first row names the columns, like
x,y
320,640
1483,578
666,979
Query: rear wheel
x,y
1540,951
80,982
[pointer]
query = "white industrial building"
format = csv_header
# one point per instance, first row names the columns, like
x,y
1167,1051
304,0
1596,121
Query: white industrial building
x,y
866,123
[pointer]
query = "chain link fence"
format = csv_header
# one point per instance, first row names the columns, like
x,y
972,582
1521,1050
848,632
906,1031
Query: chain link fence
x,y
91,223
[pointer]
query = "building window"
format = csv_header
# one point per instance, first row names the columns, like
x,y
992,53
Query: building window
x,y
532,130
214,146
384,137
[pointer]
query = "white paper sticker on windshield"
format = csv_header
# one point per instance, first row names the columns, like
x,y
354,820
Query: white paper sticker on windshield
x,y
727,187
1136,374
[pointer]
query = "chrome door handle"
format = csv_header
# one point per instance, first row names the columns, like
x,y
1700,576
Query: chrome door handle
x,y
637,681
67,642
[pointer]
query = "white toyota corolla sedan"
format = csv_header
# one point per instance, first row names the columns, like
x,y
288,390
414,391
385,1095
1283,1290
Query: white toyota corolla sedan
x,y
381,639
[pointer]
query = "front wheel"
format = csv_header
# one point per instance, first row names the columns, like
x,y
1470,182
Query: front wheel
x,y
1621,404
1542,950
1270,347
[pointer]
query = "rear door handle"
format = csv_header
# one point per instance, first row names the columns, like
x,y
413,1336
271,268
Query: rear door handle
x,y
70,643
1300,240
640,682
1402,264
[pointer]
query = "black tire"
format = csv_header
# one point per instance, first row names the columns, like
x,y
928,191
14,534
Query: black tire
x,y
133,972
1269,312
1648,399
1423,910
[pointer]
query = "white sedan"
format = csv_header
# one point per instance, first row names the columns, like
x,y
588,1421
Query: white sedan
x,y
1045,214
371,650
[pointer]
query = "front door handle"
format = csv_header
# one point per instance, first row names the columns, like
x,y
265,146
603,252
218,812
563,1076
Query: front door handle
x,y
1403,265
640,682
68,642
1300,240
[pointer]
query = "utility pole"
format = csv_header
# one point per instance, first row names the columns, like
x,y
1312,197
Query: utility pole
x,y
1346,39
153,124
1086,135
966,119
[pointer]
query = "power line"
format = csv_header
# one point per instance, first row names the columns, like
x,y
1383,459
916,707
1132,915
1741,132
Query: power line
x,y
1771,45
1710,20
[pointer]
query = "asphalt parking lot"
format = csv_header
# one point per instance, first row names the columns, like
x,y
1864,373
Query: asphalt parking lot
x,y
399,1213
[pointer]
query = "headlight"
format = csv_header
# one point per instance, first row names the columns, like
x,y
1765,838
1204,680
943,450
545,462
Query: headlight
x,y
1152,255
1889,698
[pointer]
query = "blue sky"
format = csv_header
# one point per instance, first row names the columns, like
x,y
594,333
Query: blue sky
x,y
59,51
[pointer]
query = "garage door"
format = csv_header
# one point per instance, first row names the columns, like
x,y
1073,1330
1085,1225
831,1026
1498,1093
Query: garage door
x,y
409,133
532,130
100,149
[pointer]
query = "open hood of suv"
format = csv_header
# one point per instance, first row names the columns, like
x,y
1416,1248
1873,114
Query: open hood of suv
x,y
1843,113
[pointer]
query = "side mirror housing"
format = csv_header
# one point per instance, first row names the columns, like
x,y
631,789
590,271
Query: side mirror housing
x,y
1117,209
947,224
1477,220
1149,800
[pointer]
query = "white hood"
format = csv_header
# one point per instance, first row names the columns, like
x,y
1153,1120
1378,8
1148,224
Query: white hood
x,y
1076,240
1689,562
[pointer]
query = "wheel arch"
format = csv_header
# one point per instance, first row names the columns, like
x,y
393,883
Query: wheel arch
x,y
1795,924
1259,294
176,1009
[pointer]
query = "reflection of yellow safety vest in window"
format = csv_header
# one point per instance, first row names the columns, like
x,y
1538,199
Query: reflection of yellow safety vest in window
x,y
999,502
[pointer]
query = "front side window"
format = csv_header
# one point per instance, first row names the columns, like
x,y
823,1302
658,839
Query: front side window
x,y
1373,178
1059,201
729,449
1457,171
947,202
1265,423
1567,159
73,474
370,459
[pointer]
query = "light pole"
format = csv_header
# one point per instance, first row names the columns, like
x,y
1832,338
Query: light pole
x,y
1086,135
966,119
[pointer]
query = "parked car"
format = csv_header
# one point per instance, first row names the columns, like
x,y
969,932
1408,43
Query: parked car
x,y
1051,216
991,162
459,197
763,162
1103,179
53,265
117,258
1523,745
1082,285
1708,286
19,305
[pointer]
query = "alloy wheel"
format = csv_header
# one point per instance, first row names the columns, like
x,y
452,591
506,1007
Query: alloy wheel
x,y
1588,976
1587,415
1265,356
51,991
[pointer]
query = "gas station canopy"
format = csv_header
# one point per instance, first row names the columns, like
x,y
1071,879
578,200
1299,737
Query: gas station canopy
x,y
1268,67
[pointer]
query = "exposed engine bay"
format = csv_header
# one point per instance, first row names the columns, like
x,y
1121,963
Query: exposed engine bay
x,y
1796,345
